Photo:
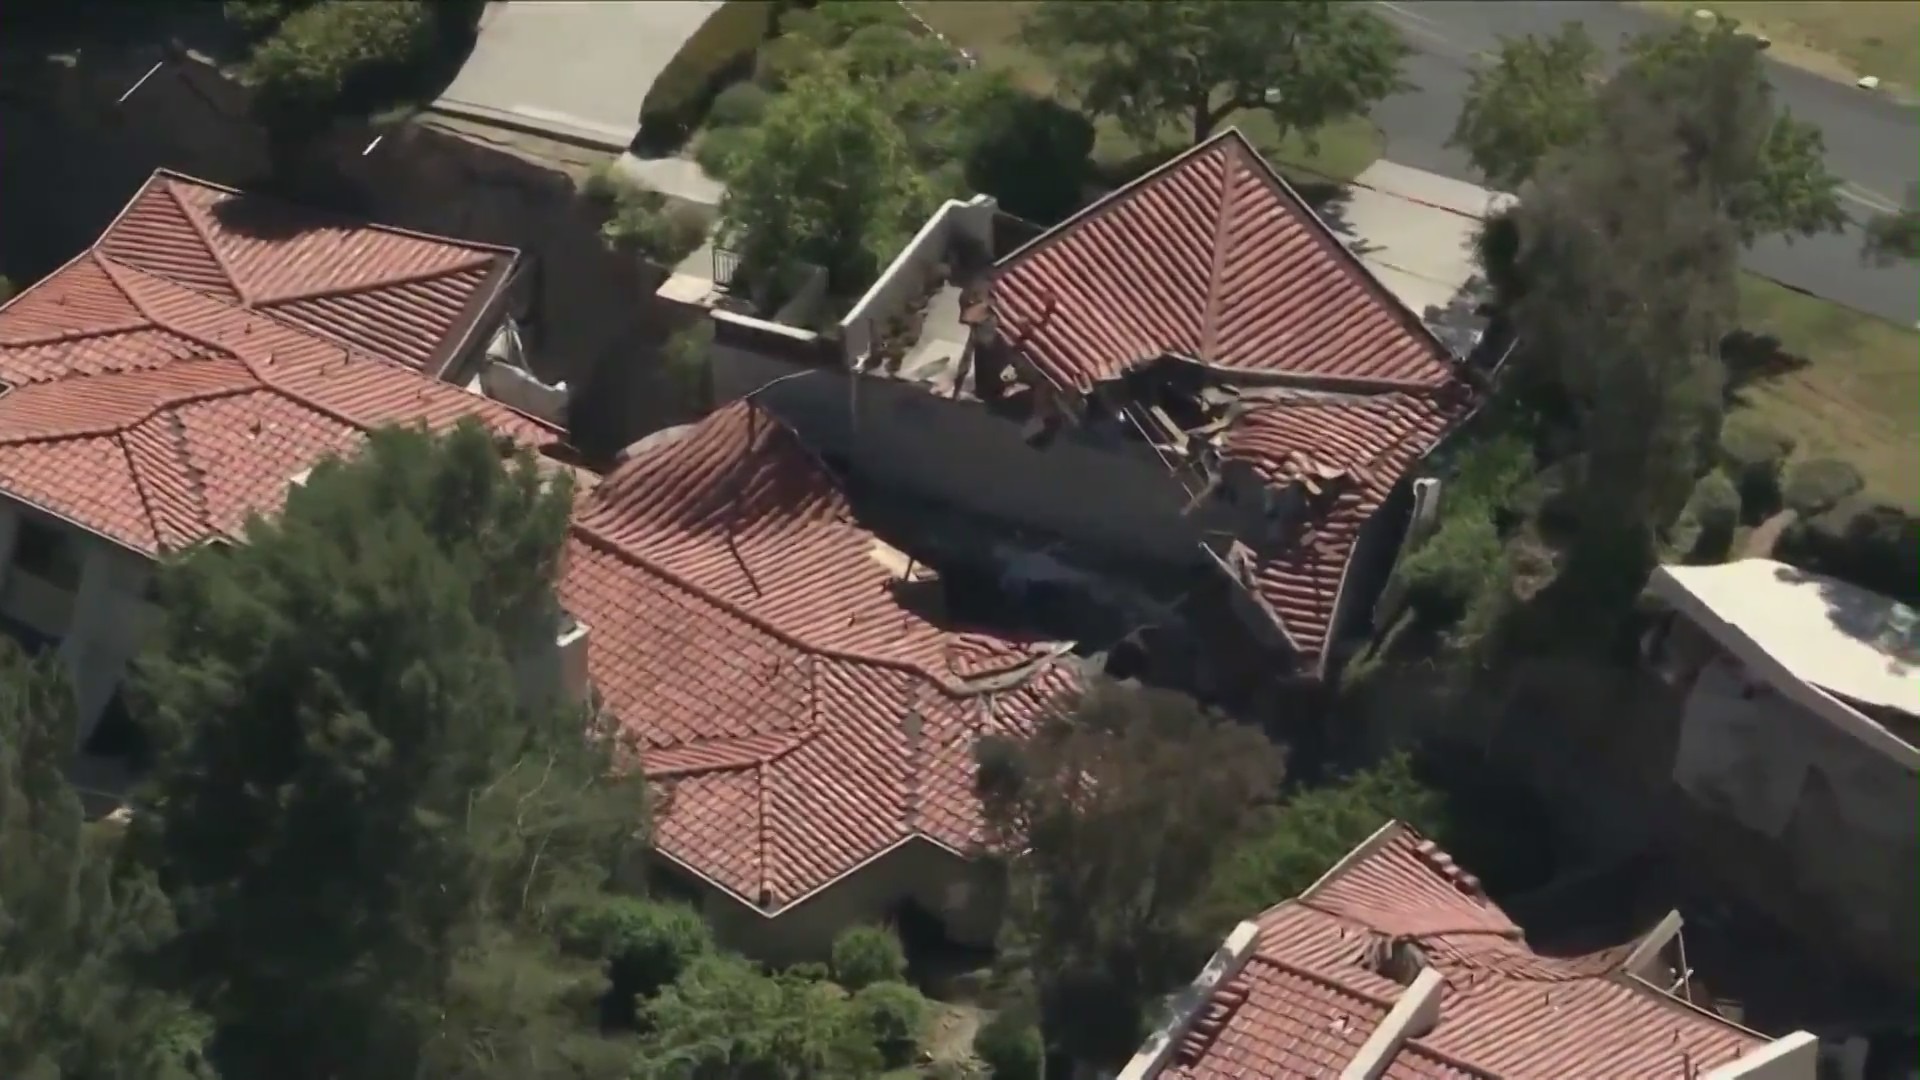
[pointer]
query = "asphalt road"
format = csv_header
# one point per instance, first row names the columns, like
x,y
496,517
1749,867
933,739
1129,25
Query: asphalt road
x,y
1872,143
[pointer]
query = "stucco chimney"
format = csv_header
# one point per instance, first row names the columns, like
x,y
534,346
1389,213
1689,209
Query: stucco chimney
x,y
1415,1014
571,643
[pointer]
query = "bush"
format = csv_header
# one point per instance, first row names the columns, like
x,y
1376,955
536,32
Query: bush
x,y
1708,522
739,105
896,1014
1865,543
719,149
1010,1046
1817,484
648,224
684,358
1753,456
646,944
785,59
718,53
1451,567
1030,153
864,955
335,57
832,23
259,16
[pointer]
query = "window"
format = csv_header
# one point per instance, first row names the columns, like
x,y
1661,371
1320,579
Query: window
x,y
47,552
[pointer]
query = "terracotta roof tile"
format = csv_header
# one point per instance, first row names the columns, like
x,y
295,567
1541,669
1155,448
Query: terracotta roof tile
x,y
140,399
1213,257
797,718
1357,449
1506,1013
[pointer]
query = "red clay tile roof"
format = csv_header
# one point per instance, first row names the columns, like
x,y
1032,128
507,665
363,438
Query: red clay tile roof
x,y
799,718
403,296
144,401
1213,257
1306,1000
1356,448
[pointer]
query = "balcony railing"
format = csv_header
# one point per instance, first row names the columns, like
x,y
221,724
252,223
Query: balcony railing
x,y
725,265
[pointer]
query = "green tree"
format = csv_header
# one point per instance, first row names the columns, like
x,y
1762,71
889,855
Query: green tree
x,y
332,58
1113,841
825,178
1629,269
722,1018
74,920
1764,169
1537,97
359,761
1296,842
1194,63
864,955
514,1009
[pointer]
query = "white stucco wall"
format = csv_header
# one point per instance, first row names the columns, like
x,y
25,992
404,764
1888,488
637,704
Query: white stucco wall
x,y
1118,500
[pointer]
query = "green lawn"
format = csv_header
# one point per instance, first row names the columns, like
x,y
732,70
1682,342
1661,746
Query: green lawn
x,y
1857,398
1841,39
991,30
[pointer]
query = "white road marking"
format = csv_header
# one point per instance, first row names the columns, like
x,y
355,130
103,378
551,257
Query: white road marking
x,y
1401,10
1868,198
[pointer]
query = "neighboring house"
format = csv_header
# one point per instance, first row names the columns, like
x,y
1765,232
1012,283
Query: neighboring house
x,y
1193,373
180,374
806,720
1395,966
1801,722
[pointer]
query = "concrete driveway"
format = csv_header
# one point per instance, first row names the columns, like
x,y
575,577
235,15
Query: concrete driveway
x,y
575,70
1414,229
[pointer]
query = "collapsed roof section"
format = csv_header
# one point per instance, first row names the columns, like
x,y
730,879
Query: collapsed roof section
x,y
1206,310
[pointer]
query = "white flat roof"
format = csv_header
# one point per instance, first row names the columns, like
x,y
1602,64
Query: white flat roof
x,y
1827,633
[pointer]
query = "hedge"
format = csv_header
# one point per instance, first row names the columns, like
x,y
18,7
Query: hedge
x,y
1753,456
1711,516
1816,485
339,57
864,955
718,53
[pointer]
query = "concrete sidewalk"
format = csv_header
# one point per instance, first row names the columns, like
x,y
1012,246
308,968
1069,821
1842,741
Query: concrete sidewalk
x,y
575,70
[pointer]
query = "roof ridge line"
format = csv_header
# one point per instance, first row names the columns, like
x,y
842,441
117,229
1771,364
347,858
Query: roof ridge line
x,y
264,305
151,410
1210,318
139,488
85,254
196,476
333,215
952,687
199,229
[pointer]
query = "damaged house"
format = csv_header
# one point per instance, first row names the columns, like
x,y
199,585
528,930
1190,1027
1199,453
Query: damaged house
x,y
1192,376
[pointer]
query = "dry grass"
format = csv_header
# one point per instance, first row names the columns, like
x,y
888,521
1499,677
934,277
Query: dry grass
x,y
1858,397
1842,38
990,29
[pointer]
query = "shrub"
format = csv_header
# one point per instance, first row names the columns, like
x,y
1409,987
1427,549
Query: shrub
x,y
738,105
896,1014
1817,484
646,943
1451,567
259,16
1010,1046
720,52
785,59
684,358
336,56
648,224
1753,456
719,149
832,23
864,955
1030,153
1711,515
1866,543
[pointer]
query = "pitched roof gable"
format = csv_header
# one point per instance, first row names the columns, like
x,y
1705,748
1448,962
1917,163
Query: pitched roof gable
x,y
1212,256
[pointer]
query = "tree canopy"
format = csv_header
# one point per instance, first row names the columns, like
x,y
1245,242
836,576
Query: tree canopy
x,y
358,757
1194,63
1115,840
826,178
1890,237
75,919
1763,168
723,1017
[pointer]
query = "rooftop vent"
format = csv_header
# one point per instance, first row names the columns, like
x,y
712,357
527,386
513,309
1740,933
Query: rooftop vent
x,y
1397,958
